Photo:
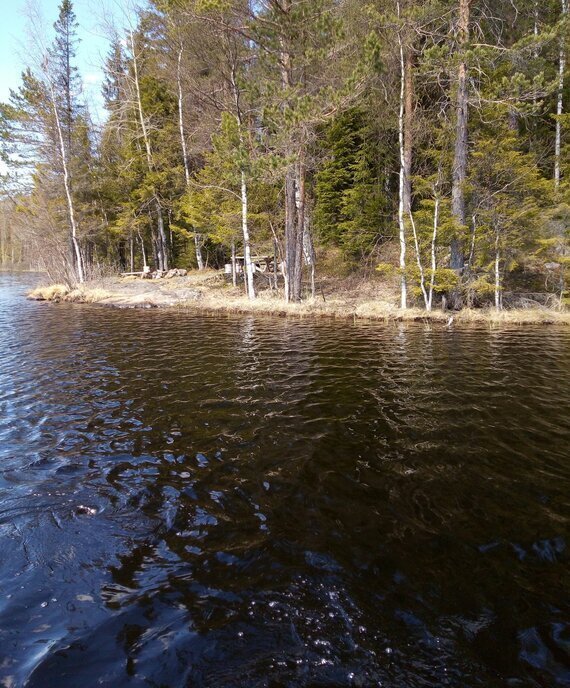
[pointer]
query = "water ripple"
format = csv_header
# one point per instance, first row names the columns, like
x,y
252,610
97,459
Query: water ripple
x,y
193,500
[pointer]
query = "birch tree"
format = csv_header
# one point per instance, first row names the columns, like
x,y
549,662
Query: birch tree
x,y
42,124
560,94
405,154
64,160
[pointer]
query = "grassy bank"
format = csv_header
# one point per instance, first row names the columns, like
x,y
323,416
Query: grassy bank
x,y
341,299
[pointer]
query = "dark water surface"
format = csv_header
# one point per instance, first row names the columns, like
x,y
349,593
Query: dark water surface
x,y
206,501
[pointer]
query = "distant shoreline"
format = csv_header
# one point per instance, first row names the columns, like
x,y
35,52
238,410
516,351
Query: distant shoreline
x,y
208,292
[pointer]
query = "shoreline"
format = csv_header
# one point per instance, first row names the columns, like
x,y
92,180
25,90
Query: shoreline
x,y
210,293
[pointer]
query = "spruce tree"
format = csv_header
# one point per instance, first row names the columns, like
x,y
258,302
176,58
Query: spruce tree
x,y
65,75
350,203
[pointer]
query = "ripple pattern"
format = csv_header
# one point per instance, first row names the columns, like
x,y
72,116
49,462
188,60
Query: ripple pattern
x,y
228,502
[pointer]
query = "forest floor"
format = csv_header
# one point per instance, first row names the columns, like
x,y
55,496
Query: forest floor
x,y
336,297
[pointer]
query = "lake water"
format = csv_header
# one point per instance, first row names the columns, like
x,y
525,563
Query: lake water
x,y
210,501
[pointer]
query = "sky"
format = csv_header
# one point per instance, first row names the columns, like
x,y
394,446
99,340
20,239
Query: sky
x,y
94,17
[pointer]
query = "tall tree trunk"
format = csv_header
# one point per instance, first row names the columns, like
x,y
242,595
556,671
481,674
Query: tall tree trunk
x,y
145,264
67,184
234,270
535,28
181,119
473,238
309,251
433,259
155,251
198,250
161,239
403,197
161,248
461,136
197,238
301,211
290,237
6,242
560,101
419,262
294,189
301,225
294,227
132,252
275,265
246,243
68,78
248,265
408,129
498,298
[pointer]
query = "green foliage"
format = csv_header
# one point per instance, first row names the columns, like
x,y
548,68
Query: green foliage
x,y
508,194
350,200
269,89
446,280
212,207
386,269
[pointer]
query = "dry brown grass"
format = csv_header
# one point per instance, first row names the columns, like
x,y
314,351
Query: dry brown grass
x,y
52,292
341,299
88,295
271,303
518,316
60,292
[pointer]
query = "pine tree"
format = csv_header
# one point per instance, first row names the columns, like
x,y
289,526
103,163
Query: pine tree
x,y
64,72
349,188
508,195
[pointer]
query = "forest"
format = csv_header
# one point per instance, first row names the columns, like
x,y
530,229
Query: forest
x,y
423,144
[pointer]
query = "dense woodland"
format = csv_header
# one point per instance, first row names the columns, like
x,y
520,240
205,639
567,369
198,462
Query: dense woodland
x,y
425,143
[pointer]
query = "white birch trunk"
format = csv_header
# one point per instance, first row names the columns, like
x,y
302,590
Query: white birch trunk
x,y
560,102
246,244
140,112
275,267
67,185
498,300
198,249
401,225
248,265
433,261
234,271
307,239
286,281
181,120
309,253
419,262
145,264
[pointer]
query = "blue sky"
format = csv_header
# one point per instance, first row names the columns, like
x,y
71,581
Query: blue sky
x,y
93,17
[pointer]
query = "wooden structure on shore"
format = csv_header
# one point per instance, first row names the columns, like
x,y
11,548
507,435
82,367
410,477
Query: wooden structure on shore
x,y
260,264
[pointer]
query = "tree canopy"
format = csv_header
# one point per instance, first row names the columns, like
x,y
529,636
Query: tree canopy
x,y
436,129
